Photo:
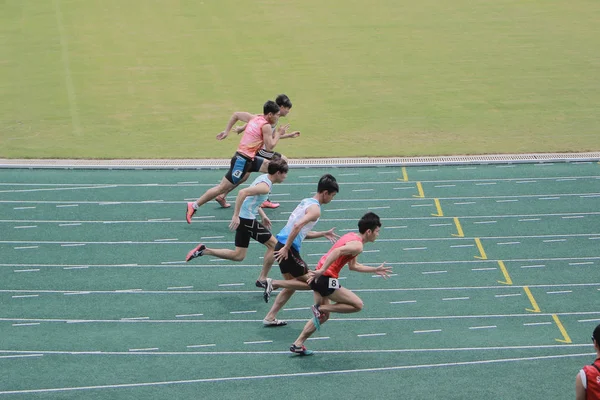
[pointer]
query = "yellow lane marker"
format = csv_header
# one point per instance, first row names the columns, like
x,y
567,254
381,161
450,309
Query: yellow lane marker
x,y
566,338
438,207
505,273
420,189
482,255
458,228
534,303
404,174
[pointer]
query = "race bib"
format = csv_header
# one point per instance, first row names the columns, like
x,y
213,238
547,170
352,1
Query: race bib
x,y
333,283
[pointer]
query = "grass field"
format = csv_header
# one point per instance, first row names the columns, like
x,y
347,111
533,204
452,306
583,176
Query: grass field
x,y
158,79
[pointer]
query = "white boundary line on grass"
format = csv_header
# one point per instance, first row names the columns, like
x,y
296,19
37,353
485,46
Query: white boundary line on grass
x,y
306,162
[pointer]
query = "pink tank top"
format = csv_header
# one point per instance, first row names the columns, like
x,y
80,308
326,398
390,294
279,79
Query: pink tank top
x,y
252,140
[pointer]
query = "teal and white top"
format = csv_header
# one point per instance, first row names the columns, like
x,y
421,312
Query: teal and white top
x,y
252,203
296,216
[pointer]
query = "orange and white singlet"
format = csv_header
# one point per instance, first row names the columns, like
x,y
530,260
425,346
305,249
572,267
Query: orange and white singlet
x,y
252,140
334,269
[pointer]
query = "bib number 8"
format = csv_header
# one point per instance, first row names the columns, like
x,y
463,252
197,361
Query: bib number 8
x,y
333,283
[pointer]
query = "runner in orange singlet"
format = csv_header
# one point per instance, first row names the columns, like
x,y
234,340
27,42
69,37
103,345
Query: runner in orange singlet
x,y
325,283
257,133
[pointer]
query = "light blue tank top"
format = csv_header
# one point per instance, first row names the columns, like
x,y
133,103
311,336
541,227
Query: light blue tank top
x,y
251,203
296,216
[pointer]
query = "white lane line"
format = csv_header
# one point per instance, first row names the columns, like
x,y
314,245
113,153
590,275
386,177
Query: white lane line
x,y
483,327
378,208
433,272
25,247
582,263
25,227
518,182
462,245
372,276
534,266
507,243
22,296
566,179
187,183
22,208
296,309
259,342
508,295
194,346
573,216
403,302
422,205
72,244
27,324
188,315
319,338
485,183
147,349
23,356
79,267
211,237
506,201
554,240
560,292
428,331
159,219
414,248
455,298
242,312
66,205
134,318
73,224
362,190
505,166
440,224
231,284
484,269
549,198
173,262
403,188
27,270
391,227
371,251
529,219
166,240
371,334
75,293
179,287
537,323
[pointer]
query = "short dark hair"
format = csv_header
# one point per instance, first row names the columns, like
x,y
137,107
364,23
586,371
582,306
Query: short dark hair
x,y
283,101
328,183
278,165
596,335
270,107
369,221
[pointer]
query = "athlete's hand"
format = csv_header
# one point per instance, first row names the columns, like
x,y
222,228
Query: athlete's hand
x,y
282,130
222,135
312,275
235,222
266,222
383,271
331,235
239,129
281,254
294,134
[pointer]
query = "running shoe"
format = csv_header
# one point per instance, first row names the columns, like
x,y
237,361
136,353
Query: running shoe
x,y
269,204
275,322
261,284
316,316
300,350
268,290
222,201
195,252
190,212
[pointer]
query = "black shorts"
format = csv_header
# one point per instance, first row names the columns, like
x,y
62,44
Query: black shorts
x,y
294,264
268,155
240,164
257,163
251,228
321,285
